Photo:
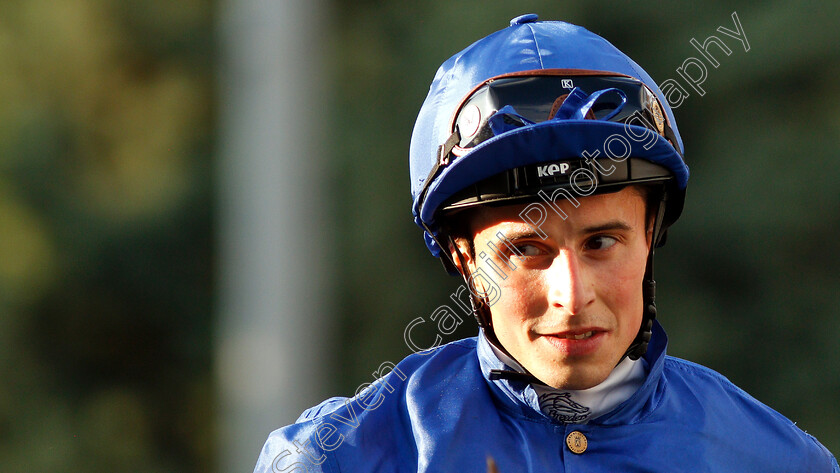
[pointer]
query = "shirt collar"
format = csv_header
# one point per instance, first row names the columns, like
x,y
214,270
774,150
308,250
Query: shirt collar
x,y
625,395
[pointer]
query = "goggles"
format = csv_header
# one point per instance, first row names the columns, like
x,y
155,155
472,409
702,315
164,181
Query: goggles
x,y
520,100
510,101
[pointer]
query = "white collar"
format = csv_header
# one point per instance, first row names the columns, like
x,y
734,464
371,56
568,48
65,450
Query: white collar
x,y
579,406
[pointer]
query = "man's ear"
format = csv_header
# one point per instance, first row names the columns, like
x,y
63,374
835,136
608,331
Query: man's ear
x,y
649,231
462,253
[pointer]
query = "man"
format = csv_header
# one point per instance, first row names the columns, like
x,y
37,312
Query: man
x,y
546,166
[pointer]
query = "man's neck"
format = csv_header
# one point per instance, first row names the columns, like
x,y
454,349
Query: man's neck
x,y
579,406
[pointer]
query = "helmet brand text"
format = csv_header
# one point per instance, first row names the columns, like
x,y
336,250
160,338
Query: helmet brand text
x,y
549,170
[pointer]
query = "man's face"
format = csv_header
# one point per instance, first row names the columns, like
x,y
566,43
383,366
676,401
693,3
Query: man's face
x,y
573,305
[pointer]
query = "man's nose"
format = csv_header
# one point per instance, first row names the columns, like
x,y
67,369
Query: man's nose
x,y
569,286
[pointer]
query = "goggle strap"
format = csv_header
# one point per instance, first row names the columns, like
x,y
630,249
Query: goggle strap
x,y
577,104
444,151
503,121
446,148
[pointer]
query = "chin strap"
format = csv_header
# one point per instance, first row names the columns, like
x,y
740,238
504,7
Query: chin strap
x,y
481,312
639,346
515,376
480,308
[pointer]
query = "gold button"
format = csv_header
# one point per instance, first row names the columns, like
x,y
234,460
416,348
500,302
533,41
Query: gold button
x,y
576,442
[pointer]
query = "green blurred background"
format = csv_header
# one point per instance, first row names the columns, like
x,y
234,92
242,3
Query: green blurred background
x,y
108,139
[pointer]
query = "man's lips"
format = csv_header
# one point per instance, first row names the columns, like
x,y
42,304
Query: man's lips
x,y
576,342
576,334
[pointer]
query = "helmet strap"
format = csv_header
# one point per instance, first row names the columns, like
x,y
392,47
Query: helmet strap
x,y
639,346
481,312
480,307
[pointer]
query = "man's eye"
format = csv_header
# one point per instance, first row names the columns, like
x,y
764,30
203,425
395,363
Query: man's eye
x,y
528,250
600,242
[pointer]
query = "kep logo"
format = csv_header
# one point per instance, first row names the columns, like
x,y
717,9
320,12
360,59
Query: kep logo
x,y
549,170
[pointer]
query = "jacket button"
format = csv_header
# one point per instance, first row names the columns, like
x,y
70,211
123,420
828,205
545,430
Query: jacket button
x,y
576,442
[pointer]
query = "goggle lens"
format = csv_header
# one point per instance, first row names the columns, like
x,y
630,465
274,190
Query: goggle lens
x,y
525,100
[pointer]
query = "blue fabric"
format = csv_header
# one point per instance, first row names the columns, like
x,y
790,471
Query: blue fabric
x,y
440,413
567,139
524,46
506,119
578,104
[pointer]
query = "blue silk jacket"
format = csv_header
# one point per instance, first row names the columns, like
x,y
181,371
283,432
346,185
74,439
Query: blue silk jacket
x,y
440,412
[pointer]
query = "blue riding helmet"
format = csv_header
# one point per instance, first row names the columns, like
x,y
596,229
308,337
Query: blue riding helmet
x,y
537,106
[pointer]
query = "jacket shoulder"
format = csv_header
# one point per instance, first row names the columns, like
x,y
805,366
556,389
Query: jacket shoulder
x,y
716,387
375,424
746,425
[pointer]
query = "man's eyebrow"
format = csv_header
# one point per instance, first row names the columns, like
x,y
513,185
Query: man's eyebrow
x,y
529,233
519,233
608,226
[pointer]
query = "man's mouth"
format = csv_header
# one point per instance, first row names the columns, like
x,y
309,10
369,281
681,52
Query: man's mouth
x,y
579,336
575,343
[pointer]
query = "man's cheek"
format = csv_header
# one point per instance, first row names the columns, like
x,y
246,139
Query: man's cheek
x,y
518,307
